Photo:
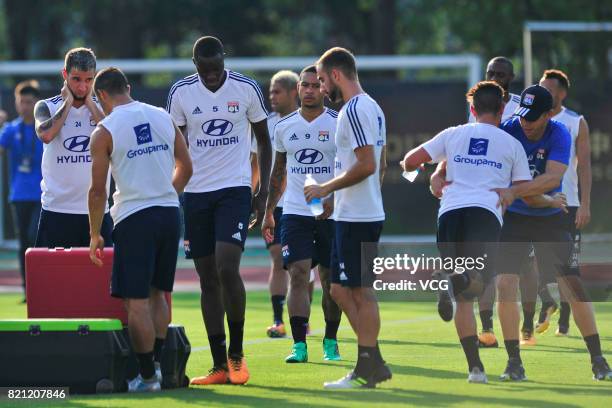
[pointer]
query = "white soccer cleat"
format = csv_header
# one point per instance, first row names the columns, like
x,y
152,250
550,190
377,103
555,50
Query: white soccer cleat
x,y
477,376
138,384
350,381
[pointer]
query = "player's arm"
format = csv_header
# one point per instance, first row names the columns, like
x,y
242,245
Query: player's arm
x,y
183,169
415,158
278,183
183,130
264,156
96,113
254,172
383,164
550,180
583,155
47,126
363,168
100,147
557,200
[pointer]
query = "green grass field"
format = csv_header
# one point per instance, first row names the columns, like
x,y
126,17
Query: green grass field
x,y
427,362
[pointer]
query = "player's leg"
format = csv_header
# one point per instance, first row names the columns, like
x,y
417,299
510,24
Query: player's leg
x,y
231,225
278,280
487,338
200,246
549,306
465,323
513,256
331,311
163,279
133,270
332,314
297,237
370,368
298,306
576,235
529,291
22,215
571,286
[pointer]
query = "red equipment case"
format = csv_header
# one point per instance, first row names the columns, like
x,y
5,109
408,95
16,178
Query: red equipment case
x,y
63,283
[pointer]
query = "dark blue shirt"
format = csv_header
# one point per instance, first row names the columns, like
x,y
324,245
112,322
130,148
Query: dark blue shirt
x,y
554,144
25,153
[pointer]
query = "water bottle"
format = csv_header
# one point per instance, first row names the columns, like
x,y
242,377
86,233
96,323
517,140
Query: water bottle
x,y
316,206
411,175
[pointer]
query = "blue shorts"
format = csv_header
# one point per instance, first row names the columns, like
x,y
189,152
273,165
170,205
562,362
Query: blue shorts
x,y
304,237
346,255
220,215
278,224
69,230
146,249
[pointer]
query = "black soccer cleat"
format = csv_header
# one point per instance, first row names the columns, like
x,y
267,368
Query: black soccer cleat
x,y
601,369
514,371
382,373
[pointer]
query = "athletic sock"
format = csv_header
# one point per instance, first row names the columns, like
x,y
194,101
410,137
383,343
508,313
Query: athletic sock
x,y
470,348
366,361
236,332
147,368
298,328
218,349
545,296
331,329
528,319
278,303
512,348
564,314
157,349
594,345
486,318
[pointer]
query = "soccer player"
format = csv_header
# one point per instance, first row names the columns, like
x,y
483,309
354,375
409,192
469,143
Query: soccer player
x,y
64,124
578,173
283,100
216,110
482,158
358,209
25,155
304,143
547,144
150,164
501,70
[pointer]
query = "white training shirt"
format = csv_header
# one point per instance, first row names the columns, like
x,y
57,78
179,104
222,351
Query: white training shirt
x,y
361,122
218,128
66,162
142,160
480,157
511,106
273,119
569,187
310,149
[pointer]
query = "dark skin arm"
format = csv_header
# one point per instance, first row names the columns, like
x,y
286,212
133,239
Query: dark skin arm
x,y
264,156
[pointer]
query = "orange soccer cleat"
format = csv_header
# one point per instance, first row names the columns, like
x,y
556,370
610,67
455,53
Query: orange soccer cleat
x,y
216,375
238,370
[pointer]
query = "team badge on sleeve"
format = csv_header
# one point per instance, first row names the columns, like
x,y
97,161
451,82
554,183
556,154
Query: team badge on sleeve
x,y
233,107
